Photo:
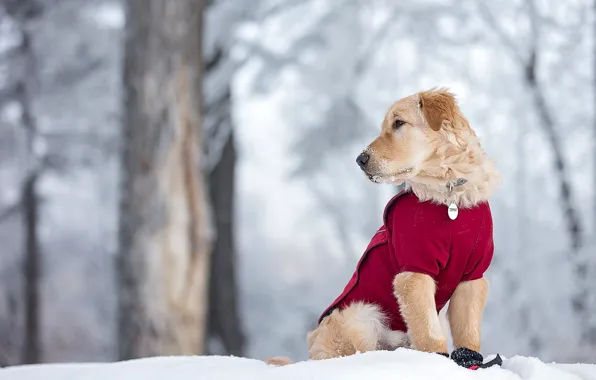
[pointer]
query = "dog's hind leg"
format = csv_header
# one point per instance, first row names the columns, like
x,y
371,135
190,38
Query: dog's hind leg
x,y
359,327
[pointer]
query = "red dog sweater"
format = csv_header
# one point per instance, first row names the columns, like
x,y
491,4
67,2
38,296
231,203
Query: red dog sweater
x,y
420,237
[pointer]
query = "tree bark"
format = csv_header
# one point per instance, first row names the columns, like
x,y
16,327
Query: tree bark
x,y
164,232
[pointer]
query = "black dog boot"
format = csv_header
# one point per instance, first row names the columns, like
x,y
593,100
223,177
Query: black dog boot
x,y
467,358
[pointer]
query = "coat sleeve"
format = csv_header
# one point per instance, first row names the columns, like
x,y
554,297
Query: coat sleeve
x,y
483,251
421,240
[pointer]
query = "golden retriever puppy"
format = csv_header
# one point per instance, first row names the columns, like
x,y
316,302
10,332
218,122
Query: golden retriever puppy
x,y
434,245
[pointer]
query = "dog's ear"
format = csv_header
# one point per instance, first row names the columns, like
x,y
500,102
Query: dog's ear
x,y
438,106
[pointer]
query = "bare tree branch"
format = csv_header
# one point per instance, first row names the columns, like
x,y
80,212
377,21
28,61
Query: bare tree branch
x,y
333,208
281,7
376,41
7,94
488,16
547,122
75,73
212,62
9,211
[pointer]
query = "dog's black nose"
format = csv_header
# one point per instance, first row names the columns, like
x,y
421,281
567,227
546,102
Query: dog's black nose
x,y
362,159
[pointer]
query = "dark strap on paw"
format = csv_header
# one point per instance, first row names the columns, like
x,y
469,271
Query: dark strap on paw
x,y
467,358
496,361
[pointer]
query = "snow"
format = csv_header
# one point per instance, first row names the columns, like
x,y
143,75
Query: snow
x,y
398,365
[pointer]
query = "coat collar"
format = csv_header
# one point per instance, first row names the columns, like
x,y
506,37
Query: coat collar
x,y
450,185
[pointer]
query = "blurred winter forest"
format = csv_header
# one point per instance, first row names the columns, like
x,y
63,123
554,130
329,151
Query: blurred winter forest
x,y
178,176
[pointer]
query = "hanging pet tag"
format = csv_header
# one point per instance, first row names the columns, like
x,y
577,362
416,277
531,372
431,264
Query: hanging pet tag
x,y
452,211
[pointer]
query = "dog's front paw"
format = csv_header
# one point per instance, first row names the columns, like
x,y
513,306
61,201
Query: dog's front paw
x,y
467,358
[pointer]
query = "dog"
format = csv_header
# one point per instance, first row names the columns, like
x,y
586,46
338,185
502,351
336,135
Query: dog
x,y
434,246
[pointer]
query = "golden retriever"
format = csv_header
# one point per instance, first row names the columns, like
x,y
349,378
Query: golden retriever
x,y
426,142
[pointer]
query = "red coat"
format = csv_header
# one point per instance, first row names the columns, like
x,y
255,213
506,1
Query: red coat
x,y
419,237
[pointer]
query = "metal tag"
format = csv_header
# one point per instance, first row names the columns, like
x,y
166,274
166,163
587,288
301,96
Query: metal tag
x,y
452,211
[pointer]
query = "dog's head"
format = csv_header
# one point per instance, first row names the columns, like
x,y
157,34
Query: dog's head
x,y
413,130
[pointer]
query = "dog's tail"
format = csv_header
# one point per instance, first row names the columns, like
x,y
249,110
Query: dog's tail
x,y
278,361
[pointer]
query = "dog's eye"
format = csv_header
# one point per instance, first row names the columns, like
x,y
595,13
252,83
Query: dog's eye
x,y
398,123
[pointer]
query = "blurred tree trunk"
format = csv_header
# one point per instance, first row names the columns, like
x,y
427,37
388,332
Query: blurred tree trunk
x,y
225,335
594,122
570,212
23,12
581,301
224,316
545,114
30,205
163,261
590,335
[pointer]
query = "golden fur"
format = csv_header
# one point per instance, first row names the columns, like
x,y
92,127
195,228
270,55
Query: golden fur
x,y
434,157
426,142
415,294
465,313
358,328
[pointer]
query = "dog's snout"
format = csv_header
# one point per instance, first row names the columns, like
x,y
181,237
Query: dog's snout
x,y
362,159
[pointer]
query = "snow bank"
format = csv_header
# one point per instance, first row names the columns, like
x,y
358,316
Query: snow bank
x,y
398,365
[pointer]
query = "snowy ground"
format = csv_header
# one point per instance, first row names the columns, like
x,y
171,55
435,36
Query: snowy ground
x,y
399,365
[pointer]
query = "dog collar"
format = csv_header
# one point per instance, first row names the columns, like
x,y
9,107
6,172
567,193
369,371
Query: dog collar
x,y
452,209
458,182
